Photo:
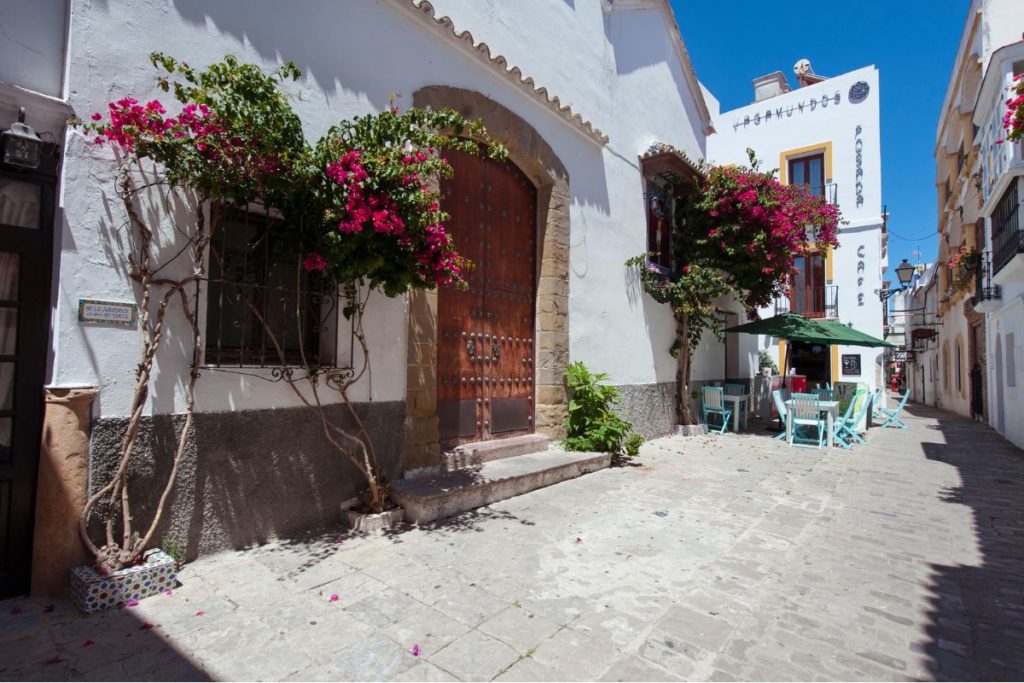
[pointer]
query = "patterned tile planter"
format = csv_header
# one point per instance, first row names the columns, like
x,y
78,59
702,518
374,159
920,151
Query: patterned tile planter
x,y
358,521
94,592
691,430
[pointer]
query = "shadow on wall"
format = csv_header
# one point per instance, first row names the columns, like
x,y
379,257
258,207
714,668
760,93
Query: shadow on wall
x,y
248,476
977,610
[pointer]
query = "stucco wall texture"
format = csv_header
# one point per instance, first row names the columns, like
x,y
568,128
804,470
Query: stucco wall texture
x,y
247,476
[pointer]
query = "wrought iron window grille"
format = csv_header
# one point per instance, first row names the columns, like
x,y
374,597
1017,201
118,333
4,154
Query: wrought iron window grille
x,y
264,312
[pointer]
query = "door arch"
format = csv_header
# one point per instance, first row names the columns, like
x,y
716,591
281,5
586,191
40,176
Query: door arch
x,y
485,334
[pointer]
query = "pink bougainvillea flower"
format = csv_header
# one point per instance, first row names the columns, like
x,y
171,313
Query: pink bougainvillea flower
x,y
146,626
416,650
88,642
132,603
314,261
97,116
168,592
333,598
339,540
579,540
200,613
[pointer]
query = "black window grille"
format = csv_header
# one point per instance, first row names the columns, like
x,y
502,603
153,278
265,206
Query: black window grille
x,y
263,309
1007,238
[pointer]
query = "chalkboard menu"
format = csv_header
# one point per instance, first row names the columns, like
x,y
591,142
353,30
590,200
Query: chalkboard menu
x,y
851,363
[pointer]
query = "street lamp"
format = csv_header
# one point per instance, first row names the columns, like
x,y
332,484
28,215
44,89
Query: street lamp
x,y
905,273
21,145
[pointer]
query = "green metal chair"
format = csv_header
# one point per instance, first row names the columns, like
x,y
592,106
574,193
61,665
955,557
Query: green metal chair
x,y
846,429
779,396
713,404
805,413
891,418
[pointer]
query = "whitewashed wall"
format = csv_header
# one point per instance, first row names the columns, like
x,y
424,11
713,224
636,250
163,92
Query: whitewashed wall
x,y
354,56
32,44
791,121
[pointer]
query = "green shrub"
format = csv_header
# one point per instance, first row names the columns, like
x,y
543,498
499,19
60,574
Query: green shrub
x,y
633,444
592,424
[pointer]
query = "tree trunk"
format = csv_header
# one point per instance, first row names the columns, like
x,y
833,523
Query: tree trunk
x,y
684,409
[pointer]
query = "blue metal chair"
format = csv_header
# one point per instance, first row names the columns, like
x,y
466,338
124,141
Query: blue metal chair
x,y
713,404
805,413
846,430
779,396
891,418
837,426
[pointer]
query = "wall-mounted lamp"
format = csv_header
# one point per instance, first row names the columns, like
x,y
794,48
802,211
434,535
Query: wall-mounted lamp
x,y
976,177
21,146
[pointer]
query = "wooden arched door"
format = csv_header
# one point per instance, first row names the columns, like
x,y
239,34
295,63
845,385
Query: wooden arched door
x,y
485,335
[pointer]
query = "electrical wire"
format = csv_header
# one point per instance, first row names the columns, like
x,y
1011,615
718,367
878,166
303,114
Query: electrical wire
x,y
933,235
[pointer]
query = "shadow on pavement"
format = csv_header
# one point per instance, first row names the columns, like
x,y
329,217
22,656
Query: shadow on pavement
x,y
976,630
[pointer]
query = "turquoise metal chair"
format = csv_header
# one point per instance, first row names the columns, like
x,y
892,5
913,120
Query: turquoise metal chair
x,y
779,396
847,428
826,395
837,426
891,418
735,389
713,404
805,413
876,403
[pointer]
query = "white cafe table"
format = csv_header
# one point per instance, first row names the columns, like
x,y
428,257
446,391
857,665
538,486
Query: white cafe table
x,y
830,407
737,401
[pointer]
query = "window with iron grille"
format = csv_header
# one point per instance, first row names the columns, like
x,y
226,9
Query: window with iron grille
x,y
262,309
1007,238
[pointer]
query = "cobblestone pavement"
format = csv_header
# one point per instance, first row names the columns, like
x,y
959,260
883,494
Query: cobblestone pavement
x,y
724,557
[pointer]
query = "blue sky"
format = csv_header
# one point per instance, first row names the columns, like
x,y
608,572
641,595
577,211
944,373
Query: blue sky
x,y
912,42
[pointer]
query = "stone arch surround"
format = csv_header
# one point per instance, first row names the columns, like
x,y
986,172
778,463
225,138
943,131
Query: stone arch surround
x,y
534,156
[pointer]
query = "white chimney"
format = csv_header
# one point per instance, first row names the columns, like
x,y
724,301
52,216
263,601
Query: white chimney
x,y
805,73
769,86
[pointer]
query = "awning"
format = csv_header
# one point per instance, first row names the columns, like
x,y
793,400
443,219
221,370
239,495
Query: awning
x,y
795,327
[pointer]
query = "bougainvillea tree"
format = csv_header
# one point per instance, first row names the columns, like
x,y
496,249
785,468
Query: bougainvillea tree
x,y
1013,119
359,210
736,232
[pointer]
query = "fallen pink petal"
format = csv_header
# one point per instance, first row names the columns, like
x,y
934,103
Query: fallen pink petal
x,y
132,603
200,613
168,592
579,540
146,626
416,650
88,642
15,610
333,598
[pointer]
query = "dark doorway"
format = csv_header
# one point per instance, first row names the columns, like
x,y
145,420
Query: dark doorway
x,y
485,369
813,361
26,252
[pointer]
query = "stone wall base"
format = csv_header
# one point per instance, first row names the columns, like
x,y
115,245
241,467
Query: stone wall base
x,y
650,407
248,476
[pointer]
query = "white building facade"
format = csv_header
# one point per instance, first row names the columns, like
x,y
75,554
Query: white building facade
x,y
823,136
1000,292
577,141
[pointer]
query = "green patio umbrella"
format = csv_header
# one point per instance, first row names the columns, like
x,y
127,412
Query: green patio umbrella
x,y
795,327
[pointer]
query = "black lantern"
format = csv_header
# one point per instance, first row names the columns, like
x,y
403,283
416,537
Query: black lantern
x,y
22,147
905,273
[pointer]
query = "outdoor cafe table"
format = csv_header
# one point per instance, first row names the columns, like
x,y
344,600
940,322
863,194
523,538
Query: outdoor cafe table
x,y
831,407
738,400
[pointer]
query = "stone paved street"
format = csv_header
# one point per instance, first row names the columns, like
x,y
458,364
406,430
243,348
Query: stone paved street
x,y
731,557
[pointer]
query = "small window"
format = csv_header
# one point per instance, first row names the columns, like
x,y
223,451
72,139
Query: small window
x,y
809,171
1011,365
945,367
659,224
253,300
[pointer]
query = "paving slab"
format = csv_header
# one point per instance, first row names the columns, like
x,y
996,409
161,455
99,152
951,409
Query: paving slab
x,y
721,557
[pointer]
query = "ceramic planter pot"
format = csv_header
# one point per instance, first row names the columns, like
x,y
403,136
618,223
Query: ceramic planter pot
x,y
94,592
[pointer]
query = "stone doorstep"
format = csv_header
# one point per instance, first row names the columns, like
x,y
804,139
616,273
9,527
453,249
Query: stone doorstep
x,y
428,498
470,454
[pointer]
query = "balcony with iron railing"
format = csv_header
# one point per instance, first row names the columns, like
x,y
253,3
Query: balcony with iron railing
x,y
985,293
828,192
1007,236
810,302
